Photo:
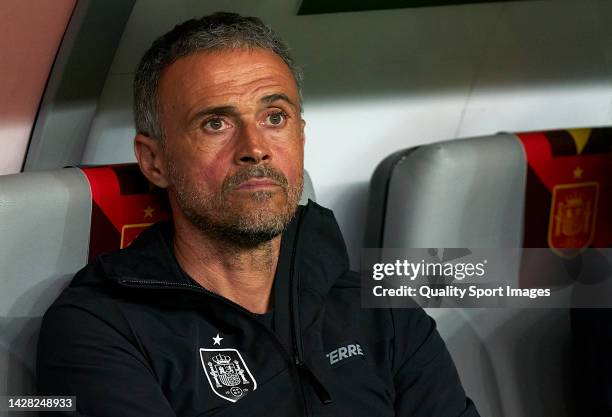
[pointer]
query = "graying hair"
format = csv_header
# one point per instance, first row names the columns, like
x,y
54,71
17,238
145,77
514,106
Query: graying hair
x,y
214,32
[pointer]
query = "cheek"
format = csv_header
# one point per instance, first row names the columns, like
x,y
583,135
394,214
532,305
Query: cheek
x,y
212,176
204,172
290,160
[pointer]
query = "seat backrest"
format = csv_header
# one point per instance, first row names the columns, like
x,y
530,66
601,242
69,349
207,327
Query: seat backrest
x,y
45,223
496,192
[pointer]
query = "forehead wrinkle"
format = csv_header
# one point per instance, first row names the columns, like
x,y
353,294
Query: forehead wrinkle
x,y
251,97
234,85
238,71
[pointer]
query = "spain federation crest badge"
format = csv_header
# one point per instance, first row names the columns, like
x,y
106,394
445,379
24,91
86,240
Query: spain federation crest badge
x,y
227,373
572,217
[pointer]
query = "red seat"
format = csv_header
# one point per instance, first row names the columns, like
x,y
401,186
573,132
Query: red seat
x,y
124,203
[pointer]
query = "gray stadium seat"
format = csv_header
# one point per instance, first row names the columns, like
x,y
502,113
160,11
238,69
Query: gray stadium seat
x,y
471,193
44,236
45,220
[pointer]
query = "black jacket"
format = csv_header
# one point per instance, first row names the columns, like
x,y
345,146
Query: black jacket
x,y
133,335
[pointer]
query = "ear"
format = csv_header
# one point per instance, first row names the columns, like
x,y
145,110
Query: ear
x,y
152,159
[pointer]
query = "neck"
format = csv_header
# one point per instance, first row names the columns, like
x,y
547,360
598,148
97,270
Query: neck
x,y
242,275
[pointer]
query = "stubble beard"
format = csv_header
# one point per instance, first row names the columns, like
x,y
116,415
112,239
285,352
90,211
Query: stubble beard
x,y
247,223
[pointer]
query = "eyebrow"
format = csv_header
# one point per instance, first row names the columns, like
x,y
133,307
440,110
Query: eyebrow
x,y
232,110
214,110
269,99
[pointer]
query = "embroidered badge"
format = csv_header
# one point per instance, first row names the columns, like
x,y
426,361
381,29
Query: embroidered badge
x,y
227,373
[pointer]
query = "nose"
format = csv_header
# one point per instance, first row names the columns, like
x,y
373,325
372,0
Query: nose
x,y
252,147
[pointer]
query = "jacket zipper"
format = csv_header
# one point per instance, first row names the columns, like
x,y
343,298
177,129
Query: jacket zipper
x,y
298,348
295,326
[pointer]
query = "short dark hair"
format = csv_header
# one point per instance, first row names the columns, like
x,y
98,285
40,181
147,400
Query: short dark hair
x,y
214,32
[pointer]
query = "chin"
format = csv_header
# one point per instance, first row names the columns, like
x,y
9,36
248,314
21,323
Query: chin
x,y
260,202
255,226
264,216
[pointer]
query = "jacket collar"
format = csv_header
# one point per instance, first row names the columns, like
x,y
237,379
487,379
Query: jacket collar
x,y
312,245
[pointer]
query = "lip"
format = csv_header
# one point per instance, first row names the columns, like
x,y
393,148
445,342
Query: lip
x,y
256,183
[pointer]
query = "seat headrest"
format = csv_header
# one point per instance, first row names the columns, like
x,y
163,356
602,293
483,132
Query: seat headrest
x,y
124,203
537,189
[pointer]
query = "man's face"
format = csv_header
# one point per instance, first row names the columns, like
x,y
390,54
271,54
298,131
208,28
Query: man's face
x,y
234,142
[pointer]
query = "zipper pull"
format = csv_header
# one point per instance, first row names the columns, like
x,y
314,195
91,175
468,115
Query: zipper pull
x,y
318,387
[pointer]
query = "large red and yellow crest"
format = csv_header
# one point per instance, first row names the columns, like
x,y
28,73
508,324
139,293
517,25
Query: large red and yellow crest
x,y
568,194
568,200
573,215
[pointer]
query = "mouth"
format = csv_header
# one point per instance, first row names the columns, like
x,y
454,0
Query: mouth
x,y
258,184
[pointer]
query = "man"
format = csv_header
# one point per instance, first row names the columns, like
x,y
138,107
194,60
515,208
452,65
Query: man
x,y
244,305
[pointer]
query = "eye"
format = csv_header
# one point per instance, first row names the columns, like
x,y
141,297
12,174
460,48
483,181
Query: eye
x,y
216,124
276,118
